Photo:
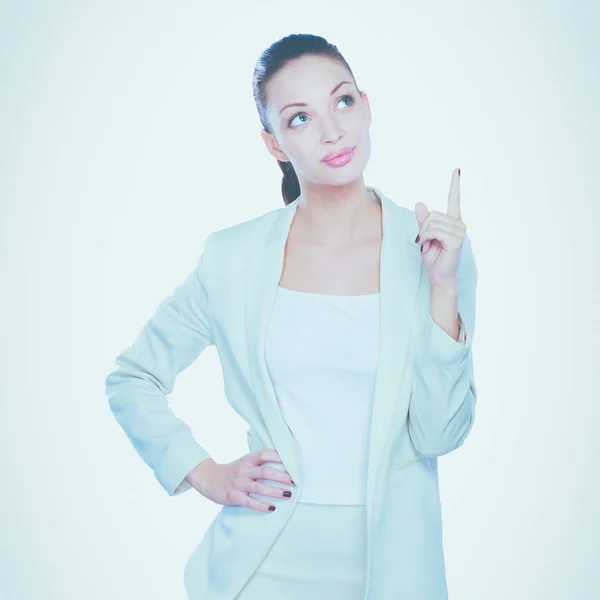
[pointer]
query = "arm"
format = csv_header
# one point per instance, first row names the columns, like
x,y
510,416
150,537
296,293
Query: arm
x,y
443,399
137,390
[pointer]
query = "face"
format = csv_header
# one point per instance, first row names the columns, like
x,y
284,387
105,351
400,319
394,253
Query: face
x,y
335,117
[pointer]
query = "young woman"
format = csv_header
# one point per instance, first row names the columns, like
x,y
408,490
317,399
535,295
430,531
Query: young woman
x,y
344,326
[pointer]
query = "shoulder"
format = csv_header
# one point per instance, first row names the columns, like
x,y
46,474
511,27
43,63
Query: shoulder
x,y
405,217
241,237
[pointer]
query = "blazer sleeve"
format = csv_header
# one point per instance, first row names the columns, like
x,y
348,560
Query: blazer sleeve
x,y
137,390
443,395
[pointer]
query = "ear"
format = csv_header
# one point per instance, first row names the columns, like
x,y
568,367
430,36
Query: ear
x,y
366,101
272,146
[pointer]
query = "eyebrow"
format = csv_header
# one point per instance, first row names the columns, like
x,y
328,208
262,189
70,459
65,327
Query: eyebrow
x,y
333,91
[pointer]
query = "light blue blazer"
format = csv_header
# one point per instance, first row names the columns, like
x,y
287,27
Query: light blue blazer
x,y
424,402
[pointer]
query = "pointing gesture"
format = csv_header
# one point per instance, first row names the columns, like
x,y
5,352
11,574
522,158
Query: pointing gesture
x,y
441,235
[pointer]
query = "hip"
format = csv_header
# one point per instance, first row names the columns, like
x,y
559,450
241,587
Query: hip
x,y
321,552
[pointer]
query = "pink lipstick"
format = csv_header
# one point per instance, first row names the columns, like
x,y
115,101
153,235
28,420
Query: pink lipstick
x,y
340,157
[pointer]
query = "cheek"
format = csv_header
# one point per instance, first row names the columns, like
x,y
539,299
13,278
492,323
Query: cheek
x,y
364,125
306,154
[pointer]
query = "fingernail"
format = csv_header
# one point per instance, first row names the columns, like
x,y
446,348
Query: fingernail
x,y
287,494
422,247
459,172
271,508
417,239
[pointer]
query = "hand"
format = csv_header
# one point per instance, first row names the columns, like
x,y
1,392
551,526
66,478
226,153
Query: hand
x,y
230,483
441,235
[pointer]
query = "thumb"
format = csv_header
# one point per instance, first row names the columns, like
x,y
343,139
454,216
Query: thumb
x,y
421,212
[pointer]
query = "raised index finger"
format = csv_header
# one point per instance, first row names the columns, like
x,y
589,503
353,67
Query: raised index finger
x,y
454,195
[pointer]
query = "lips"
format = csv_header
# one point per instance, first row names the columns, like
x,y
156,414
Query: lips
x,y
338,153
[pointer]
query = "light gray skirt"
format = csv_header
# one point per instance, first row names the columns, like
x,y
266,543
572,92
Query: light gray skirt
x,y
320,554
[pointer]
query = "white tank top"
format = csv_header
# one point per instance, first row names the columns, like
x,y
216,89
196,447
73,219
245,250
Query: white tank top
x,y
322,352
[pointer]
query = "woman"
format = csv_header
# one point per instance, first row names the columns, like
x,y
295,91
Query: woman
x,y
344,327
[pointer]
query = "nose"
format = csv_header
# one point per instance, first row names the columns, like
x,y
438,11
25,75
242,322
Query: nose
x,y
332,132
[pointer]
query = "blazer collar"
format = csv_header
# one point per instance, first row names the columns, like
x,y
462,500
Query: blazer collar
x,y
400,275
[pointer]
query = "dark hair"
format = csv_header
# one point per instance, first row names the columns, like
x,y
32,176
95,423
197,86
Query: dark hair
x,y
275,57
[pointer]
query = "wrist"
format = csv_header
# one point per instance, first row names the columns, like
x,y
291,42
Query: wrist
x,y
446,289
197,473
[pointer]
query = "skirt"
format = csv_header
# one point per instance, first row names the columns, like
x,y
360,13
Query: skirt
x,y
321,554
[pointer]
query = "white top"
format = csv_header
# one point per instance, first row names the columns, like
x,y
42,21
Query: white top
x,y
322,352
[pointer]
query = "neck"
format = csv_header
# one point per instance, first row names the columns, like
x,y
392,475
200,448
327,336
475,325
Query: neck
x,y
338,215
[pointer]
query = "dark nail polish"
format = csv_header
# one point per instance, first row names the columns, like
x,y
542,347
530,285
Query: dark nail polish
x,y
271,508
422,247
287,494
417,239
459,172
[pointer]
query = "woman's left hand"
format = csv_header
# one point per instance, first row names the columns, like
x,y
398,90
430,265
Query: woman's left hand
x,y
442,235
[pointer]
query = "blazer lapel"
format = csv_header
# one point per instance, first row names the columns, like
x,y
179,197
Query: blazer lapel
x,y
400,274
401,268
265,266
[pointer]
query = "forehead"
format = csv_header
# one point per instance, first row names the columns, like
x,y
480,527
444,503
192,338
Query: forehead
x,y
305,79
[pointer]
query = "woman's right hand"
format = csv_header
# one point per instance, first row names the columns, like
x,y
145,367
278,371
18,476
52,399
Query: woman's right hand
x,y
230,483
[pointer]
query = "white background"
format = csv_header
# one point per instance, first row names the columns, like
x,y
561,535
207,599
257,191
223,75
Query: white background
x,y
128,132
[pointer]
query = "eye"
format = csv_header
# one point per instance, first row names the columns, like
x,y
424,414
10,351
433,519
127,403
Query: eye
x,y
351,98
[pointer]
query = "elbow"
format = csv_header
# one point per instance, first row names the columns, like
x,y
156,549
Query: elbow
x,y
440,417
432,443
